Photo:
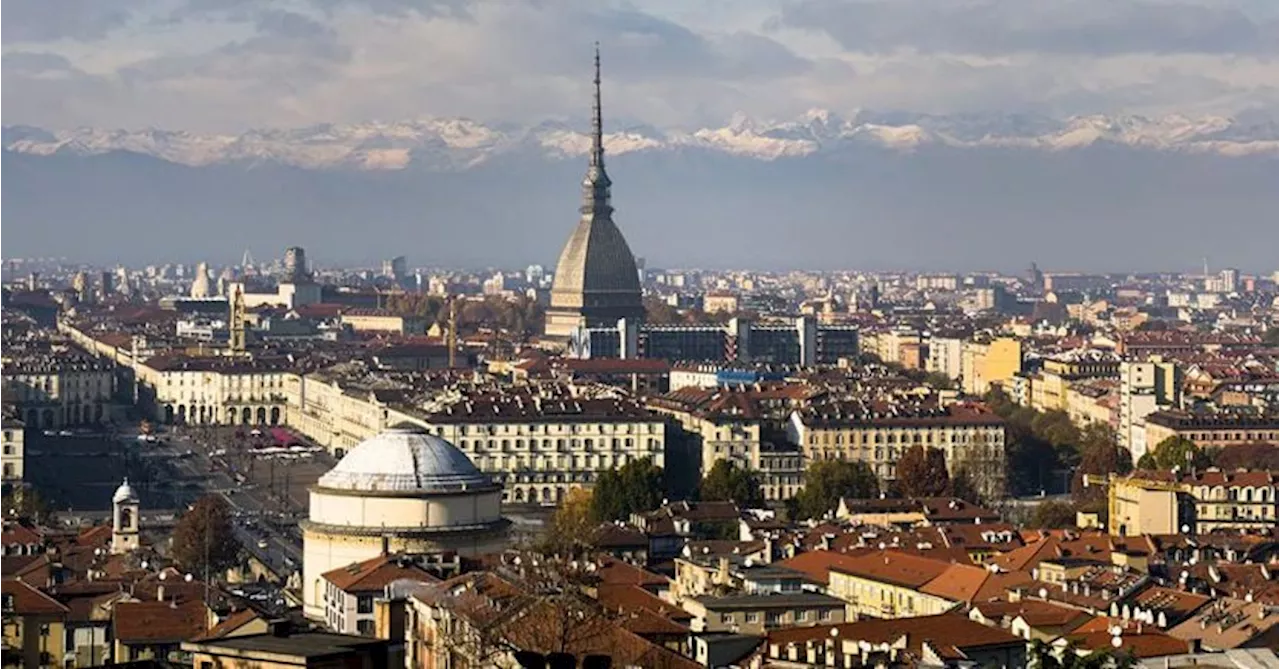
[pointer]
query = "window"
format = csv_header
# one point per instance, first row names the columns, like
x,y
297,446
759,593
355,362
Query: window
x,y
364,627
753,617
826,616
364,604
773,619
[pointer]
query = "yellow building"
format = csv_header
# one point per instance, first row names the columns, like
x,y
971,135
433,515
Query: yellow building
x,y
1201,502
986,363
34,626
890,584
720,302
214,390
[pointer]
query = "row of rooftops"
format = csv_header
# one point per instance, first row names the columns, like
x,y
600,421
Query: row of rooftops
x,y
1224,420
847,413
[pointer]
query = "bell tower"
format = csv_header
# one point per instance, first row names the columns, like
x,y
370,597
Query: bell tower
x,y
124,519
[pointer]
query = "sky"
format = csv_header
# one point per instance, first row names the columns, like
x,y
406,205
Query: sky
x,y
231,65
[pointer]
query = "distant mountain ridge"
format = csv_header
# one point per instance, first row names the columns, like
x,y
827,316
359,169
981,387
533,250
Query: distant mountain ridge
x,y
454,145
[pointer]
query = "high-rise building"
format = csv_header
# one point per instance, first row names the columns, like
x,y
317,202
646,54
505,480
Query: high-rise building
x,y
395,269
596,282
295,266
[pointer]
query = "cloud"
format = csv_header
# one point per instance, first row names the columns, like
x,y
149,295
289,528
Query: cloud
x,y
994,27
48,20
19,63
234,64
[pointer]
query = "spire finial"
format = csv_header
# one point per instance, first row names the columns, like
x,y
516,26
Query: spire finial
x,y
597,125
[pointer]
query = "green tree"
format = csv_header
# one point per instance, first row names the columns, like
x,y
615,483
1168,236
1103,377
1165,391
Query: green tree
x,y
204,539
939,380
26,502
726,481
1175,452
1053,515
964,487
1041,655
826,481
922,472
634,488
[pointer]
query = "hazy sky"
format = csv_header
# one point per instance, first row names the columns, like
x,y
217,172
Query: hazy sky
x,y
226,65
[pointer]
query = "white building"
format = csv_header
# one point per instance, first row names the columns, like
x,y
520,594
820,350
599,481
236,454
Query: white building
x,y
401,491
1145,387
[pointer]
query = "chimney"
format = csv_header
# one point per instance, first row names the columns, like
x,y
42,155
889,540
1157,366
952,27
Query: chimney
x,y
386,544
722,573
768,549
280,628
160,593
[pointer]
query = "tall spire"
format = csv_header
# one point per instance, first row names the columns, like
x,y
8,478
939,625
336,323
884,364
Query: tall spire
x,y
595,186
597,124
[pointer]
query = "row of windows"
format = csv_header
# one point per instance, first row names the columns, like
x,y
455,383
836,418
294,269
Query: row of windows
x,y
572,428
774,618
558,444
911,438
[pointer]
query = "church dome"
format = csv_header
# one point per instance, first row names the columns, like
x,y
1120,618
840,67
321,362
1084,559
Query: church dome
x,y
124,493
405,459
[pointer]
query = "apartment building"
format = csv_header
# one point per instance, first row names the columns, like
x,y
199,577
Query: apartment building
x,y
971,436
1192,502
1145,387
54,386
989,362
14,456
1213,430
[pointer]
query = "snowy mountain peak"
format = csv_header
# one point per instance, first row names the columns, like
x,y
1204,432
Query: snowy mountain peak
x,y
450,144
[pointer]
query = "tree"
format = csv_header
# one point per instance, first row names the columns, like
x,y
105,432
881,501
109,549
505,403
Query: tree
x,y
726,481
204,539
939,380
1173,452
922,472
964,487
26,502
1260,456
1053,515
826,481
635,488
1100,454
1041,655
573,526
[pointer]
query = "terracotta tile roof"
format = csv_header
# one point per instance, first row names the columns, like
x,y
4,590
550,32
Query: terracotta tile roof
x,y
613,571
817,565
1143,645
30,568
894,567
1036,613
632,598
541,630
947,632
1230,623
29,600
232,623
965,583
1175,604
156,622
649,624
374,574
18,533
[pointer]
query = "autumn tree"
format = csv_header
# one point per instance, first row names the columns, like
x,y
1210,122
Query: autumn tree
x,y
26,502
204,540
1051,515
964,487
1260,456
573,526
1100,454
922,472
635,487
826,481
727,481
1174,452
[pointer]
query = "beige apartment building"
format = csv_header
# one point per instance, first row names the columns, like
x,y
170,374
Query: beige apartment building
x,y
214,390
14,457
972,438
989,362
1217,430
1199,502
50,391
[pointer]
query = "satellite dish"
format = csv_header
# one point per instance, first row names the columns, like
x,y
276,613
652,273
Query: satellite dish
x,y
1186,529
188,578
835,632
1044,594
1116,641
164,575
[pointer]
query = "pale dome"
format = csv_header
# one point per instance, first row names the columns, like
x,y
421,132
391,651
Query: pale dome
x,y
405,459
124,493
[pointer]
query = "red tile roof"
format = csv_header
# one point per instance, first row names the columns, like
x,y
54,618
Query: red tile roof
x,y
159,622
374,574
29,600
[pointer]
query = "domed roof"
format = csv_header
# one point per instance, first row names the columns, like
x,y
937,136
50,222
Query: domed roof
x,y
404,459
124,493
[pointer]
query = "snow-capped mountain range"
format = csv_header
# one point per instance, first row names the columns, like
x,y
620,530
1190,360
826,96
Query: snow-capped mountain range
x,y
457,144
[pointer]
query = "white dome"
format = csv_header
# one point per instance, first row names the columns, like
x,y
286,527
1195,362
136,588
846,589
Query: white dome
x,y
124,493
405,459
